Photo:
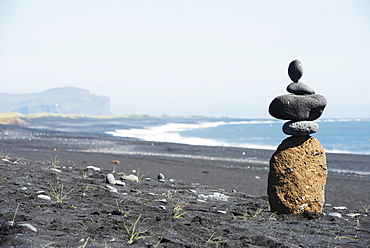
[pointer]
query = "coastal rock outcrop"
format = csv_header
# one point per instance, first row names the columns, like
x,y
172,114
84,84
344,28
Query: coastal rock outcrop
x,y
298,170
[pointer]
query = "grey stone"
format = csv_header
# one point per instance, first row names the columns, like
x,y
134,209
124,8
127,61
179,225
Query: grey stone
x,y
297,107
295,70
110,179
300,128
299,88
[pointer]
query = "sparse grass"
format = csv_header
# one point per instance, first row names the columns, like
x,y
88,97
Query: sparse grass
x,y
54,162
48,245
132,234
84,244
178,208
365,206
215,240
250,214
58,192
15,214
125,214
271,218
353,239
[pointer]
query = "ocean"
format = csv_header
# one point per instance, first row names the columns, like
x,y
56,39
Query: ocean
x,y
348,136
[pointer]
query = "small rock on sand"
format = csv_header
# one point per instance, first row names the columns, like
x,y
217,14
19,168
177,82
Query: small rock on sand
x,y
110,179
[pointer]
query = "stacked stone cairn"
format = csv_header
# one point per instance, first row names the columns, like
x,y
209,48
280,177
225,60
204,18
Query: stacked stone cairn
x,y
297,176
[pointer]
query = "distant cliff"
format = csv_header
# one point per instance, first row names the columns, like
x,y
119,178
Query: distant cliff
x,y
66,100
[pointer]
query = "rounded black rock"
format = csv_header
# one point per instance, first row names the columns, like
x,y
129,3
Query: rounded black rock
x,y
295,70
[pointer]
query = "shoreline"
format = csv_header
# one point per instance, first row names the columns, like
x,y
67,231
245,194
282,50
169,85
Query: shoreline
x,y
230,168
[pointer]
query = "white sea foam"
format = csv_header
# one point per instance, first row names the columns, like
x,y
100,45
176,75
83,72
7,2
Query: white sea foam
x,y
170,132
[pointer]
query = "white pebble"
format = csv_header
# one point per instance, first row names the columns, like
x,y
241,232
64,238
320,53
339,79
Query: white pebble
x,y
29,226
111,189
221,211
94,168
120,183
44,197
340,208
130,177
352,215
192,191
23,188
56,170
215,196
110,179
257,177
335,215
162,207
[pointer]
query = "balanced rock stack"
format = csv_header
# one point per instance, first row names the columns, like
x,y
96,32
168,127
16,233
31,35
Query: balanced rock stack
x,y
298,171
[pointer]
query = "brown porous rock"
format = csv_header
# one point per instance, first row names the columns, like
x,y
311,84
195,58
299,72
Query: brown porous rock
x,y
297,176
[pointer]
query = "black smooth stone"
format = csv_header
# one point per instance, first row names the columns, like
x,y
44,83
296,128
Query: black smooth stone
x,y
295,70
299,89
298,107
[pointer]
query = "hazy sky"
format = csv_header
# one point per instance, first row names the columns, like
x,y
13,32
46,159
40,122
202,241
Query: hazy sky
x,y
213,58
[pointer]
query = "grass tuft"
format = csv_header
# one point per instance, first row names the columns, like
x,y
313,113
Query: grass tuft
x,y
178,208
58,192
132,234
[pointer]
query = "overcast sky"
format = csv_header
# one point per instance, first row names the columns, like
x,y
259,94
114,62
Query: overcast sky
x,y
214,58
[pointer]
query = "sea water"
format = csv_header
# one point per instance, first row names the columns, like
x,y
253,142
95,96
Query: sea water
x,y
350,136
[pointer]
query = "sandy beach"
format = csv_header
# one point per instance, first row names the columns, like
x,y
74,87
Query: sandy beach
x,y
97,217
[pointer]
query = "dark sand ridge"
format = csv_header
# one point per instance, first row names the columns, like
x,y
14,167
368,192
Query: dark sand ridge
x,y
93,216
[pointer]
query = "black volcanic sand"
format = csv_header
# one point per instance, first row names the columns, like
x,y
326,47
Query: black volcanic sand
x,y
91,216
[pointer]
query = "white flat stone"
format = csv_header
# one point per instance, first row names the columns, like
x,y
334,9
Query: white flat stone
x,y
340,208
335,215
130,177
44,197
29,226
94,168
352,215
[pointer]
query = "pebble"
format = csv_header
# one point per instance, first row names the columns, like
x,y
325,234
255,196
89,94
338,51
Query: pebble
x,y
300,128
162,207
299,89
110,179
161,178
120,183
111,189
130,177
90,167
335,215
56,170
216,196
29,226
352,215
297,107
136,191
23,188
340,208
192,191
44,197
295,70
